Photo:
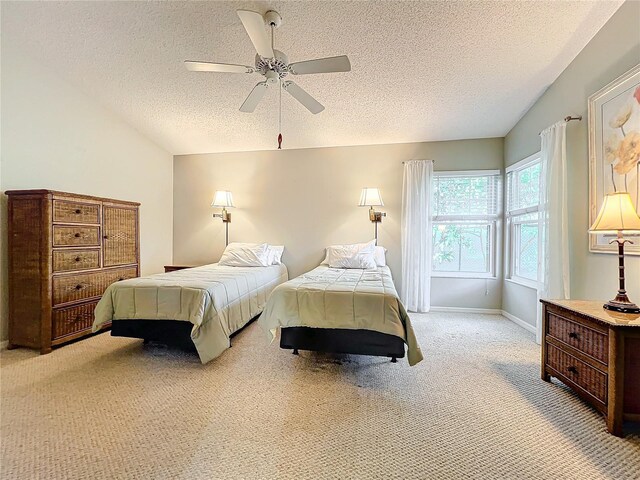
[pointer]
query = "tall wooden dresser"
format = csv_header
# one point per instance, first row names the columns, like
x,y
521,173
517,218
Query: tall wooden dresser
x,y
596,352
64,251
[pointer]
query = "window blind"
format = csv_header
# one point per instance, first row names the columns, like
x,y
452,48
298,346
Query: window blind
x,y
523,189
460,197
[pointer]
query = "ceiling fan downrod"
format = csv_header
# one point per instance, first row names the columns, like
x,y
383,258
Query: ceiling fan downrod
x,y
280,119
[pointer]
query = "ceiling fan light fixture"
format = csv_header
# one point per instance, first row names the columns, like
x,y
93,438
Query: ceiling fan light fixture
x,y
272,77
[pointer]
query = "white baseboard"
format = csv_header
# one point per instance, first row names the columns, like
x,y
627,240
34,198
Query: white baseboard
x,y
4,344
519,322
486,311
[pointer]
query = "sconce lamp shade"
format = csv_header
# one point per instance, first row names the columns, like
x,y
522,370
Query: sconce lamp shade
x,y
616,215
222,199
370,197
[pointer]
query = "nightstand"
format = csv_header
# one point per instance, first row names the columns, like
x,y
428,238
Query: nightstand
x,y
596,352
173,268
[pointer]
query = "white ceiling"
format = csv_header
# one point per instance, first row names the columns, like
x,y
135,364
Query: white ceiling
x,y
421,71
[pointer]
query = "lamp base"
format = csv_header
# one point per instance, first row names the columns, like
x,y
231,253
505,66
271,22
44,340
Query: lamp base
x,y
621,306
621,303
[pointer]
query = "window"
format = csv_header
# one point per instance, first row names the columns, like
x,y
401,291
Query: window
x,y
466,209
525,216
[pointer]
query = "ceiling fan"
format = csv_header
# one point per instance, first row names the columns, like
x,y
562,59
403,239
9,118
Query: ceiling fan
x,y
273,64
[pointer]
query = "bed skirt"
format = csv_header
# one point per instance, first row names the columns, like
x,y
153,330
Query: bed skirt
x,y
168,332
341,340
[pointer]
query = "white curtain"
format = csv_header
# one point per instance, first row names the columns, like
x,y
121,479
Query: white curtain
x,y
554,276
416,235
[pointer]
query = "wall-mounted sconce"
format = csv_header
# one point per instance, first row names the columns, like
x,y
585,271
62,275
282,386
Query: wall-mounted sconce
x,y
223,199
370,197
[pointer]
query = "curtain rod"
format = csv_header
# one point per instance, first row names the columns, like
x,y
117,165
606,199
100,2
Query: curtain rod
x,y
433,161
568,118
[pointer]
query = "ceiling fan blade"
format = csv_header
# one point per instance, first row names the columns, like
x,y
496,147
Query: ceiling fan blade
x,y
216,67
321,65
254,25
254,98
303,97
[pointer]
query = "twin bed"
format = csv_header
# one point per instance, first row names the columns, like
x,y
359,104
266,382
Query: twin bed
x,y
334,310
341,310
202,305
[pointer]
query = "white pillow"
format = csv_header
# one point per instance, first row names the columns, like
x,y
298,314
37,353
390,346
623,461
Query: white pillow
x,y
245,255
352,256
275,254
379,255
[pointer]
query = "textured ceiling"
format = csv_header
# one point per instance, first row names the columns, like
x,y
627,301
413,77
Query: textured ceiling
x,y
421,71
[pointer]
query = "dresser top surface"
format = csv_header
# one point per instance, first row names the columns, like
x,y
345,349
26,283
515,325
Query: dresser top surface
x,y
66,196
594,310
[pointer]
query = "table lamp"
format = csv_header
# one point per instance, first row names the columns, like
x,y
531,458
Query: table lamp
x,y
618,216
370,197
223,199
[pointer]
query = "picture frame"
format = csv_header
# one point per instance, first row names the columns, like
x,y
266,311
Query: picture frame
x,y
614,151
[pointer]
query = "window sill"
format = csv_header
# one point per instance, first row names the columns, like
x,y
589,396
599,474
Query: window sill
x,y
478,276
523,282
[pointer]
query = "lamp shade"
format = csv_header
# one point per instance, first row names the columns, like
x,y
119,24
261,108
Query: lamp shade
x,y
222,198
370,197
616,215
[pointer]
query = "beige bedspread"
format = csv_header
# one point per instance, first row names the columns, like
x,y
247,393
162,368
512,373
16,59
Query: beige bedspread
x,y
341,298
217,300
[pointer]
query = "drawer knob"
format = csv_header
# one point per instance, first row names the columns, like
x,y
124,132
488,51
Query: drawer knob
x,y
78,287
78,211
573,335
106,237
77,235
573,370
78,259
78,318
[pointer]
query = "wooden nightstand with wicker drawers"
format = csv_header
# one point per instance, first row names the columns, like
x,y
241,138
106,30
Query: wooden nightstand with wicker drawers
x,y
64,251
596,352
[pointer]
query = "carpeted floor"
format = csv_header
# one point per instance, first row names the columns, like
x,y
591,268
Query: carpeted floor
x,y
475,408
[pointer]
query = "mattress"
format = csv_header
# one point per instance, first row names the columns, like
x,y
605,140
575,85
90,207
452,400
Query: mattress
x,y
217,300
341,298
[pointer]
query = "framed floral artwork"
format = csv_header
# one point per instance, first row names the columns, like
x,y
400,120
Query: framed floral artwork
x,y
614,151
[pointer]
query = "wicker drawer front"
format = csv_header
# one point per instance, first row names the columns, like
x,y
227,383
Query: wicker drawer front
x,y
75,236
73,260
74,212
590,379
120,236
68,321
72,288
592,342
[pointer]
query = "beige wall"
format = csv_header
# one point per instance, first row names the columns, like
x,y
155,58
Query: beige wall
x,y
612,52
306,200
57,138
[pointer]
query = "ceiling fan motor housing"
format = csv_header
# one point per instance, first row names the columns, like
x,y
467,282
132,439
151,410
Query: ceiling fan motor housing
x,y
279,64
